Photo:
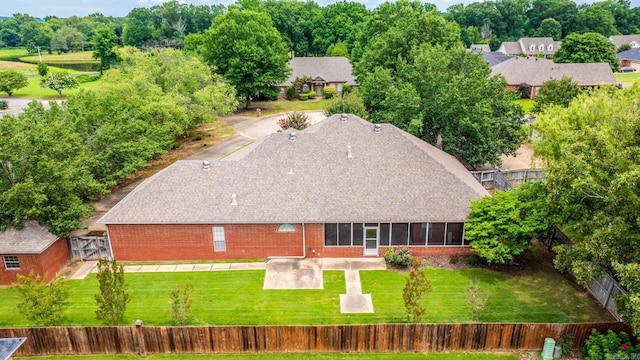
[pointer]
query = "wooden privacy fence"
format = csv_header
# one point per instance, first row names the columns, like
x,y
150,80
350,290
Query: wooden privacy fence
x,y
304,338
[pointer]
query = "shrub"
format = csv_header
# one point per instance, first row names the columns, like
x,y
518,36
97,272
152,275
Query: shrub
x,y
312,94
400,258
113,298
472,260
295,120
416,288
290,92
43,69
304,97
346,89
566,343
42,303
348,104
84,78
601,346
453,259
329,92
4,104
181,303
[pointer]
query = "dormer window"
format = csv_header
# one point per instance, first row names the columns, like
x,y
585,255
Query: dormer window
x,y
550,47
541,47
532,47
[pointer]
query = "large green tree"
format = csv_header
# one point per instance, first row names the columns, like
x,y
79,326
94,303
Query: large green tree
x,y
587,48
11,80
104,44
591,152
502,226
248,51
448,98
556,92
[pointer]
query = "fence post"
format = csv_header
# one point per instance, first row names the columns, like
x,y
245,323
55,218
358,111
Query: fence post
x,y
612,282
142,348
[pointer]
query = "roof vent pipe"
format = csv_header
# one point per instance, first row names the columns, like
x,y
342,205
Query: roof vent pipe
x,y
377,128
292,136
205,165
343,117
233,200
349,151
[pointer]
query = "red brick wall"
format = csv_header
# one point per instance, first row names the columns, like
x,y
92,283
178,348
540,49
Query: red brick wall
x,y
49,263
195,242
248,241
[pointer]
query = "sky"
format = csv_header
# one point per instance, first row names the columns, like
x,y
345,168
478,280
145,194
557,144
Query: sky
x,y
120,8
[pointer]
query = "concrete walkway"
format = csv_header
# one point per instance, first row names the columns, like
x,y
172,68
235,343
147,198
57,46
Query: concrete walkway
x,y
280,274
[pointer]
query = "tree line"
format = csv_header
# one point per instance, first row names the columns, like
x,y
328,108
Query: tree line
x,y
309,29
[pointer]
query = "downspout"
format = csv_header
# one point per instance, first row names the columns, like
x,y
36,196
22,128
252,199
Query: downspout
x,y
304,249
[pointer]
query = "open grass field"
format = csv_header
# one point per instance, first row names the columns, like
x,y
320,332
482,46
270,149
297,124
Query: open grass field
x,y
280,106
12,53
295,356
237,298
80,56
34,91
627,79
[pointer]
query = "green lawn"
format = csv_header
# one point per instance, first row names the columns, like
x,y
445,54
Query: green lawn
x,y
34,91
237,298
281,106
628,78
12,53
526,104
295,356
80,56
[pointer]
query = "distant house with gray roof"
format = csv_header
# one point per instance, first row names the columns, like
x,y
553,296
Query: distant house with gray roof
x,y
531,46
534,72
324,71
342,188
32,248
631,40
630,58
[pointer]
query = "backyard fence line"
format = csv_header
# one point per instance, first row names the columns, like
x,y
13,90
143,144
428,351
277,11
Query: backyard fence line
x,y
303,338
505,180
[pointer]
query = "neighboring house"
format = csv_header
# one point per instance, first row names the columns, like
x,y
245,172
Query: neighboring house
x,y
534,71
619,40
341,188
541,46
324,71
33,248
630,58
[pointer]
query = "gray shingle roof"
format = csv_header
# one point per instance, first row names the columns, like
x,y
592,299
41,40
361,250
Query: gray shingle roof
x,y
522,46
391,176
535,71
495,58
333,69
9,345
618,40
510,48
631,54
33,238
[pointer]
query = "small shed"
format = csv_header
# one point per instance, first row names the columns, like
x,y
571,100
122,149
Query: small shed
x,y
32,248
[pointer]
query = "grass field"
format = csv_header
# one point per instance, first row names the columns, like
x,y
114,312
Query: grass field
x,y
295,356
276,107
81,56
12,53
526,104
237,298
34,91
627,79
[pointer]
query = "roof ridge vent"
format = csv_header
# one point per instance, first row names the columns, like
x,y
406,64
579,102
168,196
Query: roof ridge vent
x,y
233,200
377,128
292,136
349,152
205,165
343,117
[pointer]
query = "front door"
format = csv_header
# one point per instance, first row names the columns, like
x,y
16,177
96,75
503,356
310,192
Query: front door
x,y
371,240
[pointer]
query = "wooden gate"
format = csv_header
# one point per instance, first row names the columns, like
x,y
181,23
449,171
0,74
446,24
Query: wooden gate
x,y
90,247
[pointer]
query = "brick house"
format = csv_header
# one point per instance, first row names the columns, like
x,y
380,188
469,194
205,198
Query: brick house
x,y
33,248
335,71
341,188
630,58
534,71
530,46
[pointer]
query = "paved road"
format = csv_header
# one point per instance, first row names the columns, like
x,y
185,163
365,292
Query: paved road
x,y
247,129
16,105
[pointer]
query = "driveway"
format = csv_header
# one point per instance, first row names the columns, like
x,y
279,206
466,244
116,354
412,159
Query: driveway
x,y
17,105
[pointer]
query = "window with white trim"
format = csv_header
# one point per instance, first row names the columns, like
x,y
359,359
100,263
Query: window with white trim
x,y
11,262
532,47
550,47
286,228
219,242
541,47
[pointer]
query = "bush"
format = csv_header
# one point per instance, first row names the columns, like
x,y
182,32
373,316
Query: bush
x,y
290,92
43,69
84,78
181,303
400,258
312,94
346,89
348,104
601,346
295,120
472,260
566,343
329,92
42,304
453,259
304,97
4,104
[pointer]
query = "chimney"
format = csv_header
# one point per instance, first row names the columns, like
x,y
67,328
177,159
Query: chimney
x,y
377,128
205,165
343,117
349,151
233,200
292,136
